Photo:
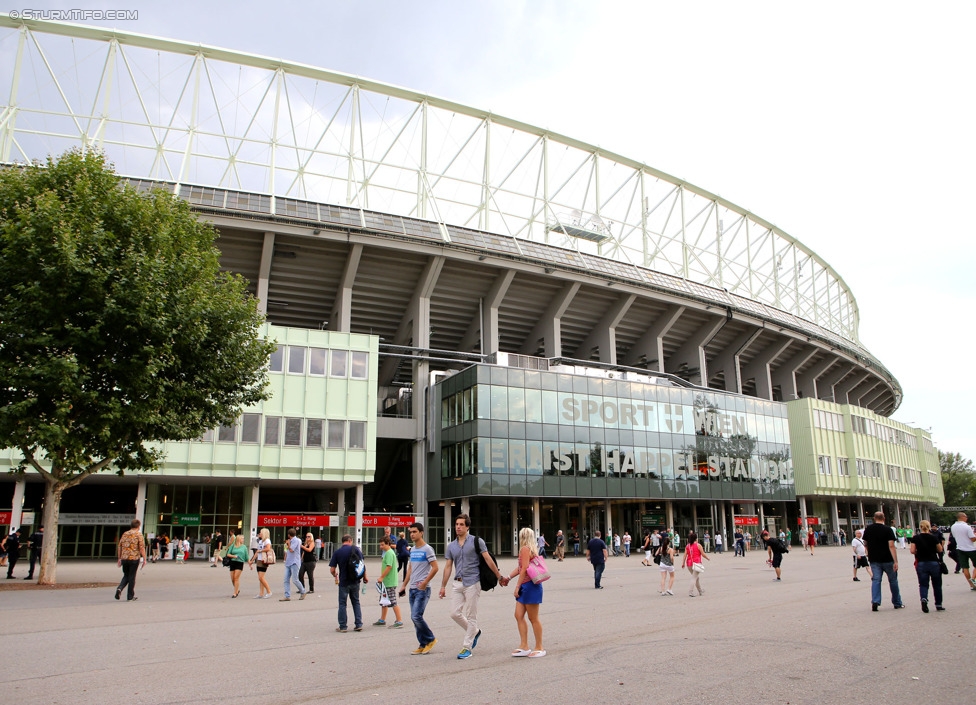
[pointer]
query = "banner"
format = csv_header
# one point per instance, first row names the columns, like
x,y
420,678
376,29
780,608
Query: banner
x,y
394,522
812,521
747,521
316,520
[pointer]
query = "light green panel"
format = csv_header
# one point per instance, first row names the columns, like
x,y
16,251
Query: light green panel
x,y
808,441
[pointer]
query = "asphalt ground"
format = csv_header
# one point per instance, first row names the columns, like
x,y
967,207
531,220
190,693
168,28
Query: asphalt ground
x,y
810,639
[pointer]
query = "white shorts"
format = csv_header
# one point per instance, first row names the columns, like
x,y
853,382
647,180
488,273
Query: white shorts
x,y
667,568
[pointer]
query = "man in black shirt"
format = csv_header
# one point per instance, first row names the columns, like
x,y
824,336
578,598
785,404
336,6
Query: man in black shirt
x,y
35,542
11,545
879,541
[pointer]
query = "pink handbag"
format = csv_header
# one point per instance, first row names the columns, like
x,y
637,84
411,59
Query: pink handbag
x,y
537,570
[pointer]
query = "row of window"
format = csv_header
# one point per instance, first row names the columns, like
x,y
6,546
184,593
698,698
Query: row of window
x,y
828,420
872,468
869,427
320,362
292,431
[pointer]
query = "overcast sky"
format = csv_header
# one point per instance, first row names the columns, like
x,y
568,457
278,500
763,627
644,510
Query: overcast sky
x,y
848,125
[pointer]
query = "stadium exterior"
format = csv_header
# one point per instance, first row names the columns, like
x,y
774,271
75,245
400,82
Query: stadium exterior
x,y
473,314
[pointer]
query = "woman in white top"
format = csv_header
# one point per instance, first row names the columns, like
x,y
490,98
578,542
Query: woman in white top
x,y
259,557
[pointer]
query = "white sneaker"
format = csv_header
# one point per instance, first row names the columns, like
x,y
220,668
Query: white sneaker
x,y
669,593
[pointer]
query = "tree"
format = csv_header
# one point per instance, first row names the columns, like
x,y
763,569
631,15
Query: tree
x,y
117,327
958,484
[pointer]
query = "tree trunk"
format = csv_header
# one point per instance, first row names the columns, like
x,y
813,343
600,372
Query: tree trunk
x,y
49,551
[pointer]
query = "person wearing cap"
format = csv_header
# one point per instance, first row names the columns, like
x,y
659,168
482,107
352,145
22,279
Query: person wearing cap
x,y
11,546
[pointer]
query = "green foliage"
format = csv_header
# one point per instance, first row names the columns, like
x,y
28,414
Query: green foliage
x,y
958,484
117,327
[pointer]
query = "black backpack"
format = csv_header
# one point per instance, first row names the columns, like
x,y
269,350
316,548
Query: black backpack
x,y
355,565
489,581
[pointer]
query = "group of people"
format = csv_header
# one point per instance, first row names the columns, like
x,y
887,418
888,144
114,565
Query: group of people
x,y
463,560
10,551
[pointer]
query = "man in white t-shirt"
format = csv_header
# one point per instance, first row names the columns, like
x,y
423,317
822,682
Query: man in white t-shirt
x,y
860,555
965,546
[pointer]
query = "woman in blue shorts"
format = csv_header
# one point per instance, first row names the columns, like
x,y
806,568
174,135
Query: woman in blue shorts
x,y
528,597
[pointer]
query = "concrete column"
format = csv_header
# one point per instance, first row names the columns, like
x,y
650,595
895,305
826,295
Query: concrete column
x,y
649,348
496,511
152,510
482,332
536,516
694,517
340,318
141,502
603,335
669,514
728,360
341,503
17,506
898,513
689,359
835,519
784,376
549,327
825,386
448,524
762,516
759,368
264,271
255,498
860,513
803,512
466,505
515,527
358,538
806,383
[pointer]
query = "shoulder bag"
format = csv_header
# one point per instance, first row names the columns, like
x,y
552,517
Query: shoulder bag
x,y
537,570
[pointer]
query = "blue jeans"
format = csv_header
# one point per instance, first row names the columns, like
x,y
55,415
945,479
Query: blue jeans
x,y
929,570
291,576
352,592
418,603
598,573
877,570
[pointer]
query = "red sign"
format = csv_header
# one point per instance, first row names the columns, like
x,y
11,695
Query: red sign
x,y
5,517
747,521
320,520
813,521
383,520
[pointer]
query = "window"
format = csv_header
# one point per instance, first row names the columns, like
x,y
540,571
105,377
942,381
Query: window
x,y
316,361
250,428
360,365
227,434
313,433
293,432
277,359
357,435
207,436
823,463
272,430
337,434
828,420
842,467
296,360
933,479
339,363
894,473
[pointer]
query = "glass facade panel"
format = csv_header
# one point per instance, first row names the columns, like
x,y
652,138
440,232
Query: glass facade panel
x,y
339,358
293,432
296,360
360,365
316,361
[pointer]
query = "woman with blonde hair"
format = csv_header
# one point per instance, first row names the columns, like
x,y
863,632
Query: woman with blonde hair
x,y
260,557
528,597
926,548
237,552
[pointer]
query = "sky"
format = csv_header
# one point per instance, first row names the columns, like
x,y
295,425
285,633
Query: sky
x,y
847,125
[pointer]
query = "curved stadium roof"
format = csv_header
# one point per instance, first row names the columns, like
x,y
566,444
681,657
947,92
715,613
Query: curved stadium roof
x,y
288,137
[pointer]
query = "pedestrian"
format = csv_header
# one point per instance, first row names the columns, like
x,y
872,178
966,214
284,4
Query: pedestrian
x,y
3,552
216,546
740,548
693,560
318,547
775,548
860,555
528,597
35,543
293,563
262,558
463,555
843,537
719,542
926,548
811,540
11,546
576,543
403,554
131,553
154,547
706,542
309,560
962,532
879,541
542,543
388,579
421,569
627,544
343,567
646,548
560,546
666,552
238,554
597,554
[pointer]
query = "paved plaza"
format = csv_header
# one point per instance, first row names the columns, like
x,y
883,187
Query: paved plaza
x,y
810,639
